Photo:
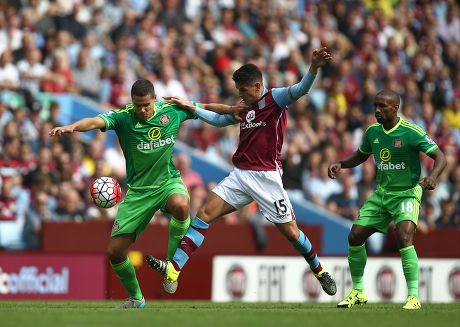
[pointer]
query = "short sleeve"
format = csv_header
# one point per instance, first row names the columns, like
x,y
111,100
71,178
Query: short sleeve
x,y
185,114
112,119
365,147
423,143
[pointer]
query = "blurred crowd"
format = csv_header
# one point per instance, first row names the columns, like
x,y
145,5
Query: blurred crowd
x,y
190,48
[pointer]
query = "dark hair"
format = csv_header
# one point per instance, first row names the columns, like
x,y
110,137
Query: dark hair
x,y
391,95
247,74
142,87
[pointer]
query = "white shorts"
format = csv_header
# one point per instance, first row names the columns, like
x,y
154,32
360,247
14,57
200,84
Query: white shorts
x,y
243,186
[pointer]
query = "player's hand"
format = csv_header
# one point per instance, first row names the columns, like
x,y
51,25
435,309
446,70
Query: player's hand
x,y
428,183
58,131
333,169
236,110
181,102
320,57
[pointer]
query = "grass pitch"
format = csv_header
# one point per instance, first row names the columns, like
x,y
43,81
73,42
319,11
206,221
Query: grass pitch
x,y
202,313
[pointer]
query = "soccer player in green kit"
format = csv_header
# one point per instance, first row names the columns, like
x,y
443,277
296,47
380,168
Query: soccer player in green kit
x,y
147,131
395,144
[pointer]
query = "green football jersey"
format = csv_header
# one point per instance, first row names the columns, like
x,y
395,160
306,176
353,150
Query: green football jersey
x,y
396,153
147,144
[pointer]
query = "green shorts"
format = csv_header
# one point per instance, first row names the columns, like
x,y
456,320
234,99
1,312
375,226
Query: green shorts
x,y
138,208
384,206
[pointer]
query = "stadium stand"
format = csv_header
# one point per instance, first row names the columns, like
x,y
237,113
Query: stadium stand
x,y
58,58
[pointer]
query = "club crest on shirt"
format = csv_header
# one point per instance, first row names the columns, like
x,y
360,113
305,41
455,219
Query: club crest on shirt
x,y
115,227
164,119
397,143
250,116
261,103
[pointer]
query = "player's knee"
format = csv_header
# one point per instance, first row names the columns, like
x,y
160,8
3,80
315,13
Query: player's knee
x,y
180,209
181,212
404,240
115,255
354,239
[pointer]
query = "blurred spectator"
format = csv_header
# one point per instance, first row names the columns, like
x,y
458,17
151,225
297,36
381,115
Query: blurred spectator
x,y
32,71
112,13
9,74
70,23
204,136
168,84
5,117
452,114
8,203
319,188
28,131
127,29
34,218
344,204
95,153
449,26
10,166
61,76
448,218
426,222
113,156
115,89
367,184
31,37
54,114
70,206
190,177
454,189
86,76
447,142
11,34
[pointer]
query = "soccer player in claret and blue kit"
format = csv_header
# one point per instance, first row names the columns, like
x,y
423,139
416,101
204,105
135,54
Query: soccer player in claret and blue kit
x,y
257,175
147,131
396,145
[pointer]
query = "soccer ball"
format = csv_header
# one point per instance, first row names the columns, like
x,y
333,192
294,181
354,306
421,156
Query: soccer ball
x,y
105,192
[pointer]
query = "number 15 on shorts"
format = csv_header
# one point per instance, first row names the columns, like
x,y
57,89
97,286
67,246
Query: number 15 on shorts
x,y
280,207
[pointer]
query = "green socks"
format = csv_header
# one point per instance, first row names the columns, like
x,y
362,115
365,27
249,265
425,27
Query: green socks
x,y
410,268
125,271
357,258
177,230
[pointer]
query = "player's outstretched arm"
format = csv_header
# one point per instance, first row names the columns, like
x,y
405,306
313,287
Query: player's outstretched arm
x,y
82,125
216,114
214,107
286,95
224,109
319,58
430,182
353,160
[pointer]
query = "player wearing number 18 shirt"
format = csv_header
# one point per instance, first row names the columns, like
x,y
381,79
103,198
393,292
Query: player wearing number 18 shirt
x,y
395,144
257,174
